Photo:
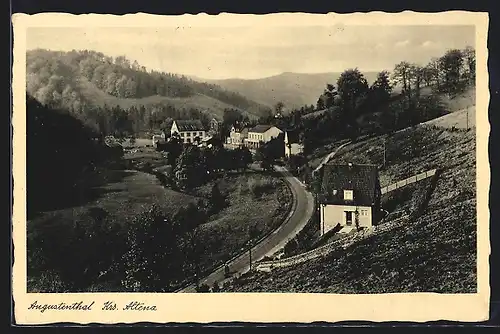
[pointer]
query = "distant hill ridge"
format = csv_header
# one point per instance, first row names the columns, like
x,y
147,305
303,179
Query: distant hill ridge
x,y
293,89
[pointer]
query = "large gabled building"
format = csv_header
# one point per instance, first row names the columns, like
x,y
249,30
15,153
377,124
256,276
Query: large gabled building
x,y
261,134
189,131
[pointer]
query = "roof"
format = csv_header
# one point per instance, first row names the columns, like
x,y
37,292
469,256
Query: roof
x,y
189,125
238,127
362,179
293,136
261,128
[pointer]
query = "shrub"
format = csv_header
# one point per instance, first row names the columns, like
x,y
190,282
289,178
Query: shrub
x,y
203,288
260,187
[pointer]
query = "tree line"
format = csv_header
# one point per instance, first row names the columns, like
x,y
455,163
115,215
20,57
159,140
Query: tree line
x,y
351,107
193,166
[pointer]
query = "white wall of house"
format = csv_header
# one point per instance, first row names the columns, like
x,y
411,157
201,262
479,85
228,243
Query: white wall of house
x,y
331,215
256,137
174,128
271,133
294,149
188,136
235,138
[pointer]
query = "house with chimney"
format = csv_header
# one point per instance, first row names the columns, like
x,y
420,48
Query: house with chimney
x,y
189,131
348,196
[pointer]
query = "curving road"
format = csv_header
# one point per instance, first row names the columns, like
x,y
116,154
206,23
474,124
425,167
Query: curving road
x,y
302,209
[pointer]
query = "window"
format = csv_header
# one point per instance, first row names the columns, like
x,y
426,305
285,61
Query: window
x,y
348,195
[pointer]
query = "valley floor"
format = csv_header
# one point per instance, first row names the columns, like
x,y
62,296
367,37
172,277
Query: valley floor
x,y
253,199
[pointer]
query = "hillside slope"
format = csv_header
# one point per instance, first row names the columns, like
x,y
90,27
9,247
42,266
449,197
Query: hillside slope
x,y
293,89
91,94
434,253
74,79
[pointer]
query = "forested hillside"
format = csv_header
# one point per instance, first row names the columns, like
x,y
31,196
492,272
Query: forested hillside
x,y
85,81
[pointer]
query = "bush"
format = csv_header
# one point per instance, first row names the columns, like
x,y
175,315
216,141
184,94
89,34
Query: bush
x,y
203,288
260,187
304,239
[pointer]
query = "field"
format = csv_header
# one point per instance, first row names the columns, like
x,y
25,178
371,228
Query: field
x,y
457,119
436,252
254,200
127,194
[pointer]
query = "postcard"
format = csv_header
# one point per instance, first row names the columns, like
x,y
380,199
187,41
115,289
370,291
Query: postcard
x,y
286,167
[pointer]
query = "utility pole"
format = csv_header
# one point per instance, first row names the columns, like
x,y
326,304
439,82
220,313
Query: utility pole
x,y
467,117
250,253
384,152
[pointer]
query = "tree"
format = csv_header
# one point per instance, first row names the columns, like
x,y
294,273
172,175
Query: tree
x,y
450,65
434,74
245,157
415,78
157,249
217,200
262,154
401,75
381,88
329,95
188,170
320,105
352,87
278,108
469,55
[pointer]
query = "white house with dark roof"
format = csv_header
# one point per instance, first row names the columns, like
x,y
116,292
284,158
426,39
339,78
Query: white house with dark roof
x,y
293,145
189,130
237,136
261,134
349,196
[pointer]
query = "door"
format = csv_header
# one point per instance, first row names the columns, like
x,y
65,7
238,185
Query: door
x,y
348,218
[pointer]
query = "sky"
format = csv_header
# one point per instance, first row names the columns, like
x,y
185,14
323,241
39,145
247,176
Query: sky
x,y
256,52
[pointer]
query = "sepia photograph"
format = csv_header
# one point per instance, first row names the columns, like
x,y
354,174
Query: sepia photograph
x,y
319,158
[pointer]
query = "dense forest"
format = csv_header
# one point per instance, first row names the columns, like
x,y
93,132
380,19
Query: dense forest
x,y
63,157
61,80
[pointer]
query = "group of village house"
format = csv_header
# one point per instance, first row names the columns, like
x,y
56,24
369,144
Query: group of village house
x,y
349,195
193,132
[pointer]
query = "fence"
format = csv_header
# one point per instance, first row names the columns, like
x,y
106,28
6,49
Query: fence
x,y
410,180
